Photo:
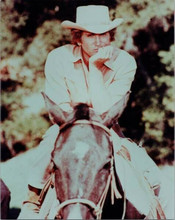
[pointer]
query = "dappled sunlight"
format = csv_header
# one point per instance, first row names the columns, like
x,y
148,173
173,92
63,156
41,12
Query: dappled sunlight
x,y
31,29
33,103
146,33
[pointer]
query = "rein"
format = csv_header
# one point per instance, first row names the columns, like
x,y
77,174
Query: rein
x,y
97,209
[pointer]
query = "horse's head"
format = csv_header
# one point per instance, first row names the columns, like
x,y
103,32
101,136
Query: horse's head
x,y
82,157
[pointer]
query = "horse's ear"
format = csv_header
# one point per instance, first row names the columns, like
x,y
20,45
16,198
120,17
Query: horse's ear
x,y
112,115
56,114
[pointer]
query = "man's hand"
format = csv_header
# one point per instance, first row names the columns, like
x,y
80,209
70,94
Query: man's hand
x,y
97,90
103,54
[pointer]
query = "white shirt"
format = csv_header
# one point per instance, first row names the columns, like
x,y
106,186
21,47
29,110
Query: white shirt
x,y
66,74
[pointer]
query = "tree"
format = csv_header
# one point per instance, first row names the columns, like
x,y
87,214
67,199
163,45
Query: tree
x,y
30,29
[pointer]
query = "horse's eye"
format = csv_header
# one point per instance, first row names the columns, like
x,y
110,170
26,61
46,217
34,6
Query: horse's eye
x,y
107,166
54,165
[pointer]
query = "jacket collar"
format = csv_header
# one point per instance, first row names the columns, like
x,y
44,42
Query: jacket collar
x,y
77,55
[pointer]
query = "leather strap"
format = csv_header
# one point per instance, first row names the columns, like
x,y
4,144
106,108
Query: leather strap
x,y
117,129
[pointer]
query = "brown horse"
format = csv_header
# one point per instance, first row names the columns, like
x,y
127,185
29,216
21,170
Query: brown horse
x,y
83,160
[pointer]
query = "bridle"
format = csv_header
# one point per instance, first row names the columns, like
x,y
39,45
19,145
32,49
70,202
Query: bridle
x,y
97,208
84,121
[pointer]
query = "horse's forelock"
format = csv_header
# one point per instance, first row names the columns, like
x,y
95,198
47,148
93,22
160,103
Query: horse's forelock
x,y
81,111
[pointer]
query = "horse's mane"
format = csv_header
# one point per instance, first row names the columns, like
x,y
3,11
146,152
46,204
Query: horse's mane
x,y
81,111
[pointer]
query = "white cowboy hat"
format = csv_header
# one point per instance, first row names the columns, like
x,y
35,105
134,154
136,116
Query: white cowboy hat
x,y
92,18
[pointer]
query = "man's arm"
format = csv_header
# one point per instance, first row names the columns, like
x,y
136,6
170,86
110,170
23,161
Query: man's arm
x,y
102,96
124,76
99,95
55,85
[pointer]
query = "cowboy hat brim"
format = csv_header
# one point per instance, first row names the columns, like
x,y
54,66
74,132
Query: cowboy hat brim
x,y
95,28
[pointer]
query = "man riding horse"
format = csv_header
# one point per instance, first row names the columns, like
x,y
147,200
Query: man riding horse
x,y
92,71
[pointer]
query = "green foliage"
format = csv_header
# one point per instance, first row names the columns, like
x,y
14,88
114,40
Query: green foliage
x,y
25,73
11,42
24,54
23,124
137,14
27,129
158,110
167,58
158,117
11,17
155,97
49,36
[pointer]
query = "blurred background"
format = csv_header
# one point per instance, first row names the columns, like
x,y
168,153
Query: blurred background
x,y
30,29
